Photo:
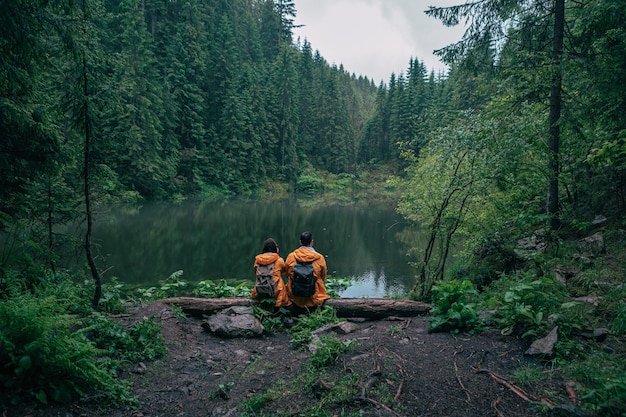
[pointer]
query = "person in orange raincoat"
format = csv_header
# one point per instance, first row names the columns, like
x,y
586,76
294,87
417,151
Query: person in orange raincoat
x,y
269,255
306,253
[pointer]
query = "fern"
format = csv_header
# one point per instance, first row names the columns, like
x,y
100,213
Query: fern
x,y
41,355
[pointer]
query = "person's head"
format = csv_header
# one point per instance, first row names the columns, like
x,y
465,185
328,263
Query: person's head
x,y
270,246
306,239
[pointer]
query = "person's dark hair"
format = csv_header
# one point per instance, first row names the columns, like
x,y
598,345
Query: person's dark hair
x,y
270,245
306,238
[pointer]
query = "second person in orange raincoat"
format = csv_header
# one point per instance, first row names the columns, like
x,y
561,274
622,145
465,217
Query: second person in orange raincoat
x,y
306,254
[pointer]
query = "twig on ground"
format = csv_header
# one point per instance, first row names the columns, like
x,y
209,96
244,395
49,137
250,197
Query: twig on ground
x,y
571,393
398,391
514,388
376,403
458,378
494,405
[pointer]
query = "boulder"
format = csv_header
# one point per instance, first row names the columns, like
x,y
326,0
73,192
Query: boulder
x,y
544,347
237,321
591,246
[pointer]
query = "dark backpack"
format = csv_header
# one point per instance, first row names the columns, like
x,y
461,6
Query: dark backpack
x,y
303,280
265,284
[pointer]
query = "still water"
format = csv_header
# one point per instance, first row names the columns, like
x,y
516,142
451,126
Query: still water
x,y
367,244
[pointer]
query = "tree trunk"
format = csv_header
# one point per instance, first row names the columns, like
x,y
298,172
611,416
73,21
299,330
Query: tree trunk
x,y
552,202
346,307
86,173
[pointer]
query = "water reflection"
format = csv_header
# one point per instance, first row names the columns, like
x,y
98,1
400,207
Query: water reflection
x,y
219,240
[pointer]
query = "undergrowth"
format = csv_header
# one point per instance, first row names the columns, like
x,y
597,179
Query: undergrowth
x,y
55,348
529,303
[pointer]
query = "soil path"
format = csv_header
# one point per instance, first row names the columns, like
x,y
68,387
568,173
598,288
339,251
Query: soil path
x,y
394,368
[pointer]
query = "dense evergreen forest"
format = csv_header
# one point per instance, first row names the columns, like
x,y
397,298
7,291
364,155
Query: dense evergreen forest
x,y
106,101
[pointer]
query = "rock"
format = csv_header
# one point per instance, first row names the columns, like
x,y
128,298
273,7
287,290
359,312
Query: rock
x,y
345,327
237,321
599,334
599,219
594,300
544,347
591,246
534,244
141,368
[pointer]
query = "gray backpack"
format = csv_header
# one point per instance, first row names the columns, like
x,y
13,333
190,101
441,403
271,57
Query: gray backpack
x,y
265,285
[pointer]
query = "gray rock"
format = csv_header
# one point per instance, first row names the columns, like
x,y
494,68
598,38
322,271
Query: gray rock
x,y
238,321
544,347
598,219
599,334
591,246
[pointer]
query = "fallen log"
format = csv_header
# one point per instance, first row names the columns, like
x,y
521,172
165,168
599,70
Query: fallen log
x,y
375,308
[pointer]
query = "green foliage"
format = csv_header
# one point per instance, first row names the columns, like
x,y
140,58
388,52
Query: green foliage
x,y
221,289
273,322
44,358
453,307
336,285
603,380
523,303
310,184
618,324
306,323
394,330
327,350
140,342
111,299
255,404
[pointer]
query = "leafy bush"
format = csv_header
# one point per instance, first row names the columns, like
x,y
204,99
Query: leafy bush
x,y
309,184
522,303
335,285
142,341
172,286
272,321
453,309
41,355
222,289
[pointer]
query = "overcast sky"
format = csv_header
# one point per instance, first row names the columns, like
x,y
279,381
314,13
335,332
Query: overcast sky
x,y
374,38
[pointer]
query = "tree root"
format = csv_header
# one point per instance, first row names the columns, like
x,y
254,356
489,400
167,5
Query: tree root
x,y
514,388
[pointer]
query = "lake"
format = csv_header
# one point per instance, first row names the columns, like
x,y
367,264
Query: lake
x,y
218,240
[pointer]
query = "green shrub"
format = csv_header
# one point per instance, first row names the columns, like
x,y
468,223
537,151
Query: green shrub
x,y
327,351
523,303
335,285
42,356
305,324
453,308
603,383
221,289
309,184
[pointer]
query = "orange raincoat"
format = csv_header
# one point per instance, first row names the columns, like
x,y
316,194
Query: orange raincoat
x,y
282,300
308,254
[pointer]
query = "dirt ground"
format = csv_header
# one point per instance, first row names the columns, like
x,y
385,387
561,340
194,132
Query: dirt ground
x,y
395,368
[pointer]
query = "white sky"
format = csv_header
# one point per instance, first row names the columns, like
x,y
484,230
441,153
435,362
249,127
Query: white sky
x,y
374,38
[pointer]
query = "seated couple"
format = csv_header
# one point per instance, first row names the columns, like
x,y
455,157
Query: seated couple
x,y
305,269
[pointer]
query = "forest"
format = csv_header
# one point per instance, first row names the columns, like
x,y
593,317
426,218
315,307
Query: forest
x,y
105,102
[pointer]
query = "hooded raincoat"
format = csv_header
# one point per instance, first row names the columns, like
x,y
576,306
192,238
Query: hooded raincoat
x,y
308,254
282,300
